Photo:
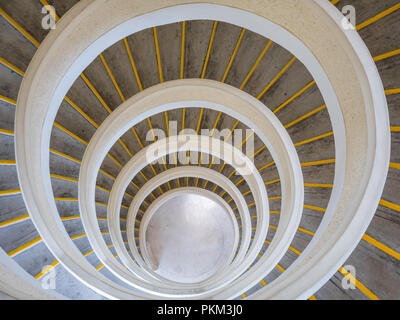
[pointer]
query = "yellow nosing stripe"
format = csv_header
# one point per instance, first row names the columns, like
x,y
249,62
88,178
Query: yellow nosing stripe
x,y
306,231
276,78
294,96
387,55
266,166
263,283
7,132
58,126
95,92
358,284
10,192
183,48
82,113
305,116
55,176
392,91
256,64
65,156
334,2
19,28
100,267
12,67
271,182
78,236
209,50
312,298
316,163
390,205
8,100
314,208
391,165
66,199
395,128
112,77
7,162
70,218
313,139
14,220
87,253
48,268
294,250
318,185
280,268
233,55
160,73
381,246
25,246
378,17
128,50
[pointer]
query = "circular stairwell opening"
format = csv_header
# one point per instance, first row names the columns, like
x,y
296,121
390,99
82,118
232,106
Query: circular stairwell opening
x,y
189,238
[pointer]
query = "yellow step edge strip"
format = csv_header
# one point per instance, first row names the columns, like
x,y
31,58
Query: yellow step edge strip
x,y
49,267
10,192
7,132
78,236
390,205
63,155
70,218
316,163
133,65
305,116
314,208
395,128
328,134
378,17
182,49
294,96
233,55
12,67
203,72
25,246
318,185
160,73
8,162
14,220
81,112
271,182
391,165
392,91
381,246
276,78
19,28
8,100
103,60
60,127
358,284
100,267
95,92
387,55
256,64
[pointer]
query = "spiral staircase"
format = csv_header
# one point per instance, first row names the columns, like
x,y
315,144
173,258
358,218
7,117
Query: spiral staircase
x,y
82,107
